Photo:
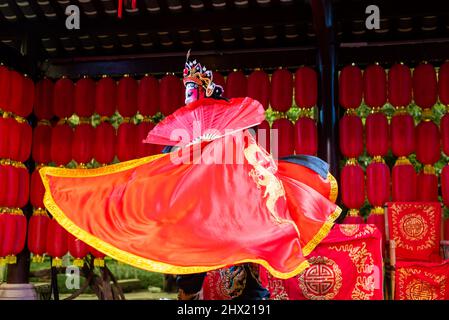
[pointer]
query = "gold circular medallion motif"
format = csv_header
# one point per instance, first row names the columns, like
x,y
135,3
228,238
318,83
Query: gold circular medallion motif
x,y
322,280
413,226
349,229
420,290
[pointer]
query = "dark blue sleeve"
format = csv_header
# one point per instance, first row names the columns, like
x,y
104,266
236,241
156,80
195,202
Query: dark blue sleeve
x,y
316,164
167,149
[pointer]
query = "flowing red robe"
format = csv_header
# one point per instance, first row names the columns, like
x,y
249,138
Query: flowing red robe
x,y
199,211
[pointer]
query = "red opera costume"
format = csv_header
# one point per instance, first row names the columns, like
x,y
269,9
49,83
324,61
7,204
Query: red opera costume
x,y
104,208
213,199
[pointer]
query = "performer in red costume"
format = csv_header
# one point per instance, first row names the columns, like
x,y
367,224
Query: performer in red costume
x,y
217,199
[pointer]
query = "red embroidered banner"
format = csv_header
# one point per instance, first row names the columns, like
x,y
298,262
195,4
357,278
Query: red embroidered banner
x,y
415,227
346,265
422,281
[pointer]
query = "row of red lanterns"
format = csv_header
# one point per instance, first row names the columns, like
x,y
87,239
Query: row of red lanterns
x,y
16,102
106,96
46,236
402,135
56,144
61,143
279,92
399,87
300,137
149,95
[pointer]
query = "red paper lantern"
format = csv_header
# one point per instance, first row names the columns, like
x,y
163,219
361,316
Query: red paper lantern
x,y
427,142
378,183
42,143
37,234
23,146
106,97
7,128
351,136
375,86
63,98
148,96
127,96
83,143
306,87
104,143
56,242
259,87
3,184
377,132
352,185
402,135
12,139
404,181
61,144
12,234
236,85
126,137
37,190
21,98
77,249
263,135
377,218
306,136
350,87
9,185
5,87
285,140
171,94
281,90
425,89
427,189
400,85
24,186
85,97
144,149
21,232
445,185
43,107
8,228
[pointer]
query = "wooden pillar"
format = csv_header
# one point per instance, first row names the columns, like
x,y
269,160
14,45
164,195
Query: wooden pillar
x,y
324,24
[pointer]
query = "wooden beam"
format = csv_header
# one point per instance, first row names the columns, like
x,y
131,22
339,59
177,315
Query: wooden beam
x,y
161,63
390,52
12,58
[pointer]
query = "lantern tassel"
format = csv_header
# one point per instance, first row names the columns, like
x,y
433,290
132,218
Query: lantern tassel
x,y
98,262
11,259
37,258
353,217
56,262
78,262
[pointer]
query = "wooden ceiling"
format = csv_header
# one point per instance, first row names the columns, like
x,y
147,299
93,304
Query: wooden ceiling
x,y
176,25
155,25
158,28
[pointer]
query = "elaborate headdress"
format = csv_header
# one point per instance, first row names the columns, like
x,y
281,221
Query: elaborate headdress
x,y
198,74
